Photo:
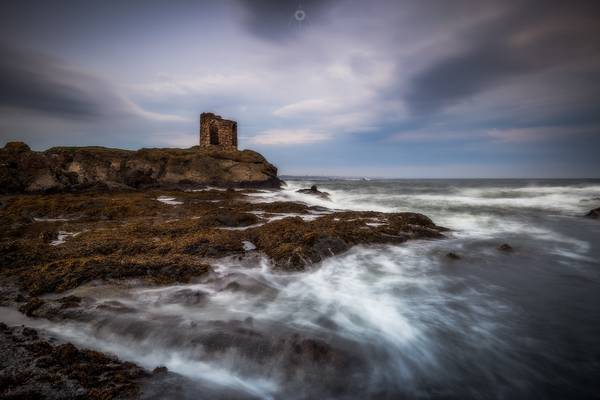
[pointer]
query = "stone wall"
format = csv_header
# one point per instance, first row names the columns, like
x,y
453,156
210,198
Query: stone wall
x,y
216,131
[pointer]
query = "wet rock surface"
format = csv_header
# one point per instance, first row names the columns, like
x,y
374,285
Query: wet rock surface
x,y
33,368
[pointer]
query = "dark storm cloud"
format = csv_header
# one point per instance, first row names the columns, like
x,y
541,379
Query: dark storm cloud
x,y
462,75
36,82
275,20
525,39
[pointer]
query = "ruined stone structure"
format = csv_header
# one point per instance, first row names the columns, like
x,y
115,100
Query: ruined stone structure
x,y
216,131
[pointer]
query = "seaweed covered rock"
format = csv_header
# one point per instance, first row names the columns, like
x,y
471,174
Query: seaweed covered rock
x,y
32,368
83,168
294,243
56,242
59,276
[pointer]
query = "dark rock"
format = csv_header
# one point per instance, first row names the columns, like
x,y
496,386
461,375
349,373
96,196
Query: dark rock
x,y
188,297
17,147
329,245
313,350
505,247
236,219
320,209
249,342
160,370
595,213
48,236
29,332
233,287
115,306
31,306
69,301
453,256
32,368
315,192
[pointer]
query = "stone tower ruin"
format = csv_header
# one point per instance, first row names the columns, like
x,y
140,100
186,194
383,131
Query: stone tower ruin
x,y
216,131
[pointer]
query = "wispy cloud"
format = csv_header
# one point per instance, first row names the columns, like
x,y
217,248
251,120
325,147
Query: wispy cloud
x,y
283,137
209,83
541,133
36,82
431,135
310,106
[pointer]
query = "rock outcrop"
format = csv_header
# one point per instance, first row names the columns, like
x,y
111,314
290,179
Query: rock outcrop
x,y
33,368
51,243
313,190
80,168
505,247
595,213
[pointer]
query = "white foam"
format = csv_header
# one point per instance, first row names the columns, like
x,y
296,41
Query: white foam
x,y
209,188
148,355
36,219
241,228
169,200
248,246
566,199
375,224
289,193
62,237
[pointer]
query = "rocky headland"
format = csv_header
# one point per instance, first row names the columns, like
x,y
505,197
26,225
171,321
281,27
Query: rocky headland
x,y
61,169
158,224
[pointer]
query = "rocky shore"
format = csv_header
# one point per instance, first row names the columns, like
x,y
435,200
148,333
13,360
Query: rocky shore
x,y
67,169
53,243
33,368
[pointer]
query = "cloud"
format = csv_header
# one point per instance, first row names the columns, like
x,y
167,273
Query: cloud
x,y
284,137
389,80
275,20
522,40
432,135
310,106
36,82
462,75
541,133
212,83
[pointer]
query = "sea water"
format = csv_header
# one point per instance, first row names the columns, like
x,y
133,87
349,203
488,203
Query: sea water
x,y
385,322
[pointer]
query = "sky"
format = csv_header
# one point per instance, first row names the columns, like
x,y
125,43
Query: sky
x,y
375,88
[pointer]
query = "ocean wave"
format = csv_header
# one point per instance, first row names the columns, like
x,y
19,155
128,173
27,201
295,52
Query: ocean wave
x,y
389,197
386,308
